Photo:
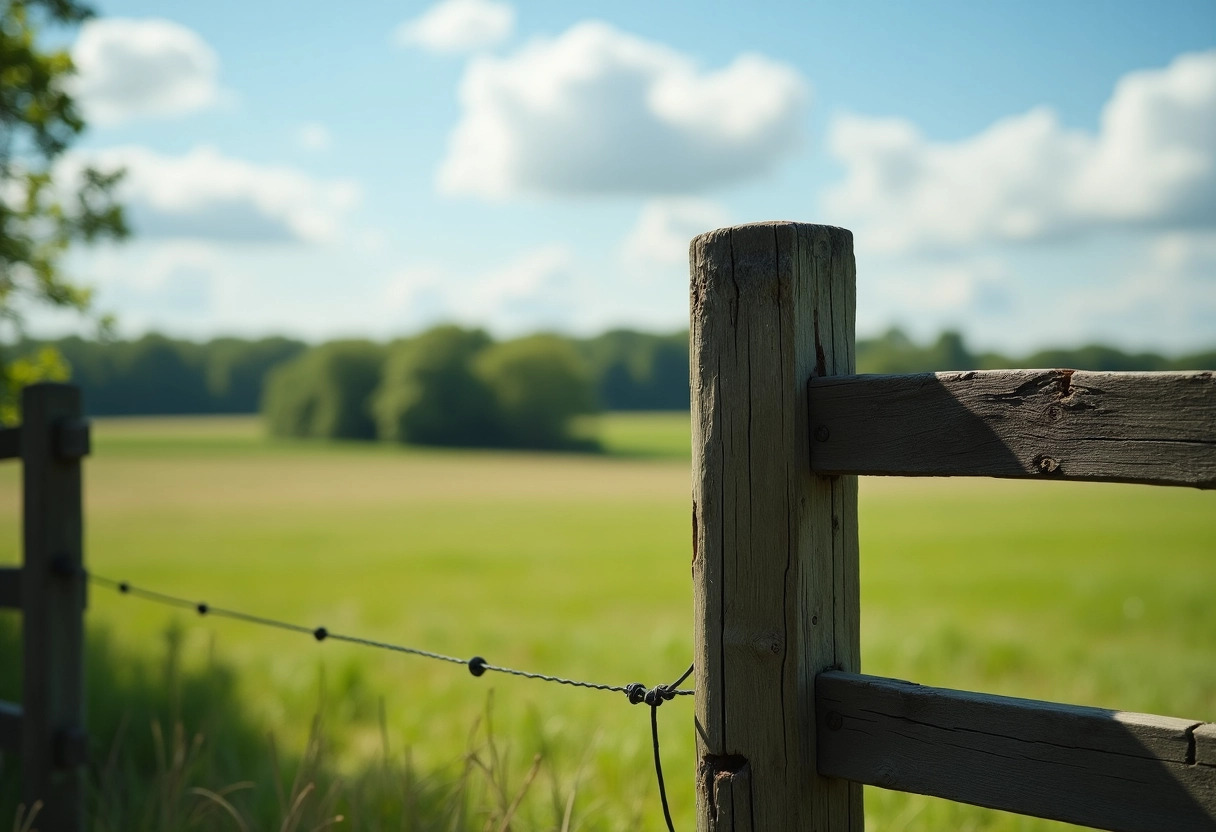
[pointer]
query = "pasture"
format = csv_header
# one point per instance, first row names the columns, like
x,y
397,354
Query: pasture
x,y
578,565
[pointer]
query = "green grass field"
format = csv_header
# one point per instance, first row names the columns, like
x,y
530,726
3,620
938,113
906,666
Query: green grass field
x,y
579,566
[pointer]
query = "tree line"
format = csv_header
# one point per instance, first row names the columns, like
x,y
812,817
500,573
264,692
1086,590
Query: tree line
x,y
455,386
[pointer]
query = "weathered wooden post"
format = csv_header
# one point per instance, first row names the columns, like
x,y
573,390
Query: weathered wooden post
x,y
54,746
775,546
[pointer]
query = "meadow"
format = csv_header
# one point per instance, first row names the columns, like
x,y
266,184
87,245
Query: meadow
x,y
575,565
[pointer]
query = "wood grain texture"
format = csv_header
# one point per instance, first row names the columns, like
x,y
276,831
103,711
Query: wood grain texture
x,y
1157,428
775,547
1090,766
10,587
53,596
10,443
10,727
1205,745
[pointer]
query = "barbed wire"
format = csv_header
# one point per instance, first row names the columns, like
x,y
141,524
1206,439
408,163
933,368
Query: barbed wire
x,y
636,693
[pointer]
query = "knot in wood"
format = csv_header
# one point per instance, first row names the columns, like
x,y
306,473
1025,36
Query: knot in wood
x,y
769,643
1046,464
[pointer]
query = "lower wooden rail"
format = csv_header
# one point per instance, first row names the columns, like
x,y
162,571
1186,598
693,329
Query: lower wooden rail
x,y
1107,769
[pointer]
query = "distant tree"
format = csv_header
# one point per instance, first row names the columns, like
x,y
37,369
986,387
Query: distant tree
x,y
638,370
540,384
1095,357
41,218
157,374
325,392
1194,361
430,395
950,353
668,388
236,369
895,352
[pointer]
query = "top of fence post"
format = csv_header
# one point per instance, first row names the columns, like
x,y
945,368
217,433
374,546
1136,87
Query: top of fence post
x,y
775,546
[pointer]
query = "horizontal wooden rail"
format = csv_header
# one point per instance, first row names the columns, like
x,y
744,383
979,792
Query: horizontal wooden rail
x,y
1157,428
1090,766
10,587
10,443
10,727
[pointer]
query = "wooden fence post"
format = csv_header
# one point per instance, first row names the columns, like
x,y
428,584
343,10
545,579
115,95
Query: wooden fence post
x,y
775,546
54,438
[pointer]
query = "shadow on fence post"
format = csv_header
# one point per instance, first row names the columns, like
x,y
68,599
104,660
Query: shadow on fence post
x,y
775,560
54,746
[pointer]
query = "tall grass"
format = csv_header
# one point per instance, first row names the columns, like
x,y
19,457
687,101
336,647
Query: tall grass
x,y
578,565
171,751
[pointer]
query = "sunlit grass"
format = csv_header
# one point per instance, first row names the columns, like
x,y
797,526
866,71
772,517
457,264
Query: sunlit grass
x,y
579,565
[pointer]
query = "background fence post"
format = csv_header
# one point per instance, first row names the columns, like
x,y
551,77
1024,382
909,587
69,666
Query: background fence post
x,y
54,438
775,546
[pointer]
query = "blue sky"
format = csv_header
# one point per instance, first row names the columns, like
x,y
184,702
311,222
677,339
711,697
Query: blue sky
x,y
1029,173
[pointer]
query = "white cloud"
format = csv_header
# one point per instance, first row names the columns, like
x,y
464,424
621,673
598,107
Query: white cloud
x,y
314,137
1165,299
666,226
540,289
596,110
1152,164
455,26
142,68
206,195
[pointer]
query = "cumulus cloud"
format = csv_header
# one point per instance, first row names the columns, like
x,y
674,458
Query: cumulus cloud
x,y
596,110
541,288
666,226
455,26
206,195
1167,296
314,137
142,68
1152,164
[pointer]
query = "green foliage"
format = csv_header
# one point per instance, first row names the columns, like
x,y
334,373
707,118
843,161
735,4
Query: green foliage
x,y
46,364
324,393
236,368
895,352
40,218
638,370
539,385
429,394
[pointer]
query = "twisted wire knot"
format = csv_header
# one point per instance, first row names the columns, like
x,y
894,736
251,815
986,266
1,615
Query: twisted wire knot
x,y
656,696
636,693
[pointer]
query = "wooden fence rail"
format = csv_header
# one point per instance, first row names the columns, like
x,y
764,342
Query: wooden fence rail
x,y
47,729
1111,769
787,729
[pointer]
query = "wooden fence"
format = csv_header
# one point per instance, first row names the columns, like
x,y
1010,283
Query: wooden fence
x,y
787,729
47,728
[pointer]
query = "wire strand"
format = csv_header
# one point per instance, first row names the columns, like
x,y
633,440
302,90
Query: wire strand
x,y
636,692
